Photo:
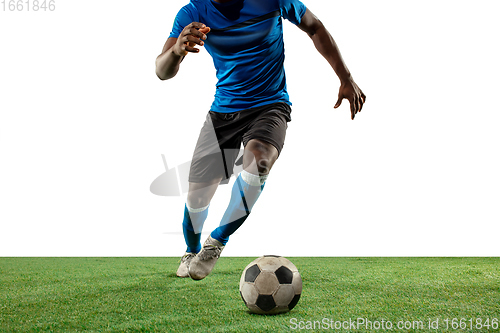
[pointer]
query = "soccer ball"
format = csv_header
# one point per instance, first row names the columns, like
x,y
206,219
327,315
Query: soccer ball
x,y
270,285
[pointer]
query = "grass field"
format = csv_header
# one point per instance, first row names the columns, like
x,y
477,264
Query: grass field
x,y
143,294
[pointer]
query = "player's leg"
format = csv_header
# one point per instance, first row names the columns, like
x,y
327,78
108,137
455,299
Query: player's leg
x,y
263,142
195,214
265,134
206,172
258,160
196,211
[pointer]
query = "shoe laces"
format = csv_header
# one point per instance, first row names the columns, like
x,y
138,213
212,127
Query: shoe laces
x,y
210,251
186,257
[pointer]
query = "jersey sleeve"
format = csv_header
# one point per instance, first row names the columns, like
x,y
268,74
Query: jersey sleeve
x,y
185,16
292,10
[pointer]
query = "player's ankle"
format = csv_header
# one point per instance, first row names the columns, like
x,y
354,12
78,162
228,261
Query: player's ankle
x,y
217,236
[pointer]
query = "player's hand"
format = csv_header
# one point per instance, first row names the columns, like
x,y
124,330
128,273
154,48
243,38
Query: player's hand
x,y
350,91
193,34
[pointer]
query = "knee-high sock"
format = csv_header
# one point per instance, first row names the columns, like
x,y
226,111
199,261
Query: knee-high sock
x,y
246,190
192,226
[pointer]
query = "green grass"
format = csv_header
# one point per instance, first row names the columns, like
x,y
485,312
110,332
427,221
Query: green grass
x,y
143,294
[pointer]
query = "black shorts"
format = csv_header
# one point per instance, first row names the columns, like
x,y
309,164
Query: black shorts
x,y
221,136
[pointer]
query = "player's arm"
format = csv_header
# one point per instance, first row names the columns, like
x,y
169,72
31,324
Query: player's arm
x,y
326,46
175,49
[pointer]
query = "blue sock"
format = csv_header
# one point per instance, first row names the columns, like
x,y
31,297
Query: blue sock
x,y
192,226
243,197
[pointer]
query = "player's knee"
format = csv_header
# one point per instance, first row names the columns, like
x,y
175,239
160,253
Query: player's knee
x,y
264,160
264,165
197,201
261,155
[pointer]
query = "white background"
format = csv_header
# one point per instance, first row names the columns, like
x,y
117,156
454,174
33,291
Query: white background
x,y
84,121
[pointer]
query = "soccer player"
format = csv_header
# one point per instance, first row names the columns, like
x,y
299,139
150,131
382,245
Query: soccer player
x,y
251,106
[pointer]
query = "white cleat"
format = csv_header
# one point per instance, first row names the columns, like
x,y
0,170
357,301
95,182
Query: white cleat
x,y
183,270
205,260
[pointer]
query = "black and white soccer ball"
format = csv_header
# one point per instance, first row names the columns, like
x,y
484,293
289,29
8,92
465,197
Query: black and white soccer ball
x,y
270,285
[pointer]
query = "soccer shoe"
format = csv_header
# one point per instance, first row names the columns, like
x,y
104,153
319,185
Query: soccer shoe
x,y
183,270
205,260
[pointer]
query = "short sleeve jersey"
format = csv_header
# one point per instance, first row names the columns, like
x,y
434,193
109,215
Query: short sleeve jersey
x,y
246,45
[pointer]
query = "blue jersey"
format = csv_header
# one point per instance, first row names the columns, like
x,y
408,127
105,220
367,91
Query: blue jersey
x,y
246,45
